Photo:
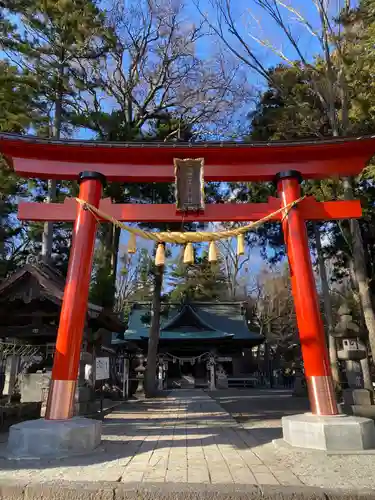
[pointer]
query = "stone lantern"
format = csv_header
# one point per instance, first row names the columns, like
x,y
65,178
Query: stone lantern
x,y
356,400
353,348
139,369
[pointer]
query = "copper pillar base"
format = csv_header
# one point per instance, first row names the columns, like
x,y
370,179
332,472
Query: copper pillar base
x,y
60,400
322,395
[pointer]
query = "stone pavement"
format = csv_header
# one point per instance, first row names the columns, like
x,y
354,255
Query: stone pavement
x,y
260,407
187,437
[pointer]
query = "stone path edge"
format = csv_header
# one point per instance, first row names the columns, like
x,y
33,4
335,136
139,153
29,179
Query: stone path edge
x,y
11,490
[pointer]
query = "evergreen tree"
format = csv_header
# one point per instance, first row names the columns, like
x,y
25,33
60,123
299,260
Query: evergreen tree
x,y
289,109
18,110
202,281
58,42
331,78
106,258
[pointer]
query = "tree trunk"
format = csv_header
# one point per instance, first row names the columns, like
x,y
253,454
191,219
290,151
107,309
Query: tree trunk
x,y
267,356
2,239
47,237
153,341
109,243
359,262
116,232
266,359
258,358
327,309
114,256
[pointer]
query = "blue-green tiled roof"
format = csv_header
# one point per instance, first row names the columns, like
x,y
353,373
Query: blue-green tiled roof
x,y
210,321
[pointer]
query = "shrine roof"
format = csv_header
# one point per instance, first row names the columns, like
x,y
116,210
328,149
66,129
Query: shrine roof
x,y
153,161
196,321
41,281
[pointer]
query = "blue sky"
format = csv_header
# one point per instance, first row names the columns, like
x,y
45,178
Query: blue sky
x,y
251,19
257,22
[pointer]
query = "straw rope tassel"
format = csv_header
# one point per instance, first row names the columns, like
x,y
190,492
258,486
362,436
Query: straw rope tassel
x,y
212,252
160,255
189,254
241,244
132,243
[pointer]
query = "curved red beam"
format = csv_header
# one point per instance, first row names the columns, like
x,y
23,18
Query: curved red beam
x,y
153,162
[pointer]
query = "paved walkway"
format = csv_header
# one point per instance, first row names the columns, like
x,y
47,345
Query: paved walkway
x,y
260,407
188,438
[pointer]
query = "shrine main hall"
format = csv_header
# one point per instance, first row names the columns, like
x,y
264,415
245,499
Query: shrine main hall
x,y
201,344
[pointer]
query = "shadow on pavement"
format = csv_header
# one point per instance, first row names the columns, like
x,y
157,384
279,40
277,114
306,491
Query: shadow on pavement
x,y
206,423
246,405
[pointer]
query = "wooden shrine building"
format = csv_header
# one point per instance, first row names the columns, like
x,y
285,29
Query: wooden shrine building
x,y
30,306
194,336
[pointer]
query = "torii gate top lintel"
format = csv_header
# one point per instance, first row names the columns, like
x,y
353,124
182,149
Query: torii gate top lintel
x,y
224,161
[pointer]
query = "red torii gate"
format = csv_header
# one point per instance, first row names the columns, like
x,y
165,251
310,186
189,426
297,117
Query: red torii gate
x,y
94,163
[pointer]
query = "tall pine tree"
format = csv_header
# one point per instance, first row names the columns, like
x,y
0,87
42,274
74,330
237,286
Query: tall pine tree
x,y
18,111
59,42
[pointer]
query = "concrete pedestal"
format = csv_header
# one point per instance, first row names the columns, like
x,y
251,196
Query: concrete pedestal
x,y
53,438
365,411
222,381
358,402
361,397
330,433
34,387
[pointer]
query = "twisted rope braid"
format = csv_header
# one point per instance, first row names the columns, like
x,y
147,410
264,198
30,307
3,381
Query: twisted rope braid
x,y
182,238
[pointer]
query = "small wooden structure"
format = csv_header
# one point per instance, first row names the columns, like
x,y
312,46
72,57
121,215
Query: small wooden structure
x,y
30,306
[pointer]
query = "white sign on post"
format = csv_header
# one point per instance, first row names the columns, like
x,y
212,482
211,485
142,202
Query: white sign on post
x,y
101,368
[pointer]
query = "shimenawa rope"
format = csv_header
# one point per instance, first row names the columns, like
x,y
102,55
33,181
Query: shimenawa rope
x,y
188,237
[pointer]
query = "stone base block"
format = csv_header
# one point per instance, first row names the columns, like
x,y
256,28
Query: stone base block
x,y
330,433
37,439
365,411
358,397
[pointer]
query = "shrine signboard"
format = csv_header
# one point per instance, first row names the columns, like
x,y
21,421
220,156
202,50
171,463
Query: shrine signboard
x,y
102,368
189,184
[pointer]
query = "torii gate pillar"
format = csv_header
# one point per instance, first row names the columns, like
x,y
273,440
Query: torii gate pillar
x,y
60,403
324,428
59,435
311,330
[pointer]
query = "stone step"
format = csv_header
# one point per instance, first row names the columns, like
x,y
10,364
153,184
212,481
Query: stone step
x,y
157,491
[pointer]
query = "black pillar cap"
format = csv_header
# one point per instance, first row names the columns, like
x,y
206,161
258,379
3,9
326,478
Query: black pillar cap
x,y
289,174
88,175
